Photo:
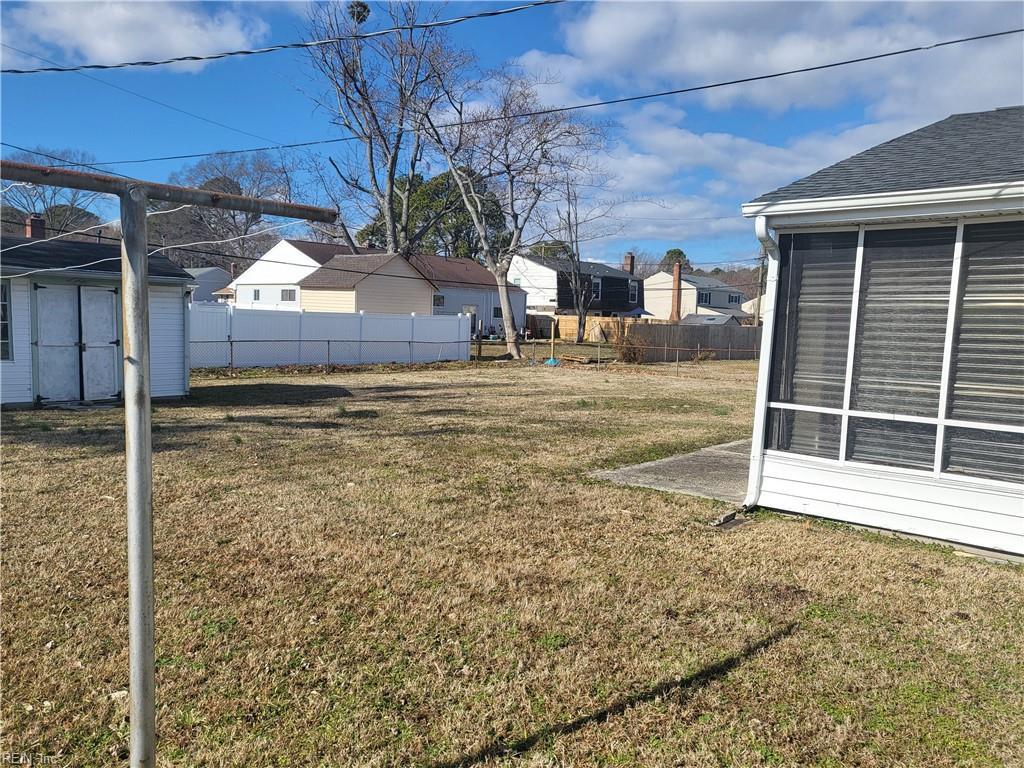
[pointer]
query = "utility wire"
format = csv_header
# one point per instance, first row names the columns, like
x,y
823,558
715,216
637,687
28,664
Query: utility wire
x,y
289,46
608,102
145,97
186,247
65,162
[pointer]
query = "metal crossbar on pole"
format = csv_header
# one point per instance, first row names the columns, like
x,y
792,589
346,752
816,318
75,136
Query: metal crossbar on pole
x,y
134,195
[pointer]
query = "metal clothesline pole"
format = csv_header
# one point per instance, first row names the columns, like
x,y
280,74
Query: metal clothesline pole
x,y
134,196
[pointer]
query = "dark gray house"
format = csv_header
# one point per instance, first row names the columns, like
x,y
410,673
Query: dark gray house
x,y
545,279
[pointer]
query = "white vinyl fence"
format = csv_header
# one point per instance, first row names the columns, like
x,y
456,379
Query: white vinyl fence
x,y
222,336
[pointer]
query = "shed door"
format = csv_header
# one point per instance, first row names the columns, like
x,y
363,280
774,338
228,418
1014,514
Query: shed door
x,y
100,348
57,341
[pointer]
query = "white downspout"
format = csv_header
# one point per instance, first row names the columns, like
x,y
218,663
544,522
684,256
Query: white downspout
x,y
764,369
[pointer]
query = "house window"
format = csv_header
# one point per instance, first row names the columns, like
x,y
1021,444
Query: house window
x,y
703,297
515,281
287,294
5,319
634,291
497,313
255,294
595,288
920,313
735,298
438,299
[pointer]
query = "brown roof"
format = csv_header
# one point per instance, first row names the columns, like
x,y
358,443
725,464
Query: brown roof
x,y
321,253
456,273
344,272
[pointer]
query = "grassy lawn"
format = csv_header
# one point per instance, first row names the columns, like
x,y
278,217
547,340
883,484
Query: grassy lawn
x,y
412,567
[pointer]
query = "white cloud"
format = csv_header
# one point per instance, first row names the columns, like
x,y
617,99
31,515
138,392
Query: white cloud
x,y
111,32
625,48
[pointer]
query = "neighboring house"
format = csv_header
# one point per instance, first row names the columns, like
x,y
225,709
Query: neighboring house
x,y
466,286
546,282
698,295
696,319
206,281
893,396
327,277
60,335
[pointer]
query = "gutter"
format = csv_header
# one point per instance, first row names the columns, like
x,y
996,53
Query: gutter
x,y
771,249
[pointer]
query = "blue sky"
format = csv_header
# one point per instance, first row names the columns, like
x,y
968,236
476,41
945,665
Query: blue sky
x,y
687,161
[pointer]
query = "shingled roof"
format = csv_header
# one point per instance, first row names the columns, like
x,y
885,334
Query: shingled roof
x,y
65,254
321,253
965,149
592,268
456,273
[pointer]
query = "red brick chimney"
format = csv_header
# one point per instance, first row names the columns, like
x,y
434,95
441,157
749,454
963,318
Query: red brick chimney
x,y
677,298
629,262
35,226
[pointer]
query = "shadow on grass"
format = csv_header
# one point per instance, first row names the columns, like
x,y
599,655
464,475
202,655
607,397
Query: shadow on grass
x,y
681,687
259,393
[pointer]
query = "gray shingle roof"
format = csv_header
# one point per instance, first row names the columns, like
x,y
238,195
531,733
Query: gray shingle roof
x,y
593,268
970,148
62,254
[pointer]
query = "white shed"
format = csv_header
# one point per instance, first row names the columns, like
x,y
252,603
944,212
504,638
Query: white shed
x,y
893,394
61,325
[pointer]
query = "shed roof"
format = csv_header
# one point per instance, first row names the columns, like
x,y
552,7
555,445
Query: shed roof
x,y
695,319
66,254
961,150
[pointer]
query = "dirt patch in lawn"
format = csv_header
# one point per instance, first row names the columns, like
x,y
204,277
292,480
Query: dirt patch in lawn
x,y
414,568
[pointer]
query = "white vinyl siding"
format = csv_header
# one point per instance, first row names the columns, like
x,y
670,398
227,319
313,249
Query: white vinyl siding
x,y
16,373
167,364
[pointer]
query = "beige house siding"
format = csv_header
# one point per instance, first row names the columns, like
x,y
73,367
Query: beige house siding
x,y
390,291
327,300
658,297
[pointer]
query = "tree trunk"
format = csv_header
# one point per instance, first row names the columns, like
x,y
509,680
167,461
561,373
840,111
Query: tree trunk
x,y
581,325
508,318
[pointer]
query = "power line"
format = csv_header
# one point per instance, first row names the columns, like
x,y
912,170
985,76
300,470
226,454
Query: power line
x,y
64,160
606,102
289,46
187,249
145,97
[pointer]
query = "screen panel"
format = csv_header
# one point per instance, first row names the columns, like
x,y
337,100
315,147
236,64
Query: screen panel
x,y
812,319
987,381
984,453
891,443
901,320
804,432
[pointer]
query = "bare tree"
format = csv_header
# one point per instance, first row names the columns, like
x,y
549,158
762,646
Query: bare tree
x,y
380,89
510,149
65,210
572,222
645,263
259,174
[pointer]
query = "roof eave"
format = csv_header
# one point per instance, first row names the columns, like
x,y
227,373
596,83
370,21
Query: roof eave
x,y
1005,197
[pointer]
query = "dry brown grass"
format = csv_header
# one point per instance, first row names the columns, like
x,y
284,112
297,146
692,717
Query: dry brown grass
x,y
412,568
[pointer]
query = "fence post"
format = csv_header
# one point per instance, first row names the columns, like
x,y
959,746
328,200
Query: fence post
x,y
664,356
328,355
730,350
677,362
231,355
412,336
479,340
359,353
599,353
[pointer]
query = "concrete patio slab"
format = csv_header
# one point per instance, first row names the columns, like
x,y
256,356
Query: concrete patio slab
x,y
718,472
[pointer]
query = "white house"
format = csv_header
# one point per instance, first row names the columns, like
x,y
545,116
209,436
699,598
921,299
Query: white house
x,y
327,277
893,394
60,335
698,295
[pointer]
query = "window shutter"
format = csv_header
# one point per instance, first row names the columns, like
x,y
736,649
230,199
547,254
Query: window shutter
x,y
988,362
813,318
901,320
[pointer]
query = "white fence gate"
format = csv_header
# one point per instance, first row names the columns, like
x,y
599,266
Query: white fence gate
x,y
223,336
